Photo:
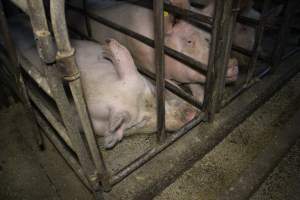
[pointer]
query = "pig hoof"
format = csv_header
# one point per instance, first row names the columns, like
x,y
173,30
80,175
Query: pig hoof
x,y
110,141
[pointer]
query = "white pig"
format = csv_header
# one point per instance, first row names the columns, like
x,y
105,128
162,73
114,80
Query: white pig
x,y
119,99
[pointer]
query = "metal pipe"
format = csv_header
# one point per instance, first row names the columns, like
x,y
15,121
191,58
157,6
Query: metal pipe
x,y
283,33
258,39
123,173
68,157
47,53
158,9
48,114
65,56
22,4
218,58
196,65
35,74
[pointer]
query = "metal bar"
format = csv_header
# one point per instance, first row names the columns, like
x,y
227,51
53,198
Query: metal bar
x,y
264,163
283,34
41,104
248,53
47,53
68,157
196,65
158,9
66,57
123,173
258,39
218,58
87,20
229,19
35,74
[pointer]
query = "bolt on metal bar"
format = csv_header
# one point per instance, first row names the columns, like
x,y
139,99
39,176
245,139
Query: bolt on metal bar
x,y
259,32
65,56
196,65
123,173
158,8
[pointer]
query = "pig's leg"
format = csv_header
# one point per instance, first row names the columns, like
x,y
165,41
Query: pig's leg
x,y
116,128
198,91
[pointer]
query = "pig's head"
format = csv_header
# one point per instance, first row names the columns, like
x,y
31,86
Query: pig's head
x,y
191,41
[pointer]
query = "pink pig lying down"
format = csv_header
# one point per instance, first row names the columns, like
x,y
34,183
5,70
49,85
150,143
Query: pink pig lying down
x,y
119,99
179,35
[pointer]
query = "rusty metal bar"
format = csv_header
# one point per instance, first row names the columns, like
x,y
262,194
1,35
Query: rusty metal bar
x,y
68,157
123,173
47,53
65,56
219,55
283,35
196,65
47,112
158,9
258,39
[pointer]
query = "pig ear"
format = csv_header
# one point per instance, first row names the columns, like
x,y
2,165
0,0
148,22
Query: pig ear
x,y
184,4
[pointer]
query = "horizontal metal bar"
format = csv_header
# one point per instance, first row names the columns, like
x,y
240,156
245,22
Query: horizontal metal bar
x,y
119,176
48,114
175,89
248,53
192,63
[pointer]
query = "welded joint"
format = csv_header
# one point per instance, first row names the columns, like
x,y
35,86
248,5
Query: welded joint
x,y
69,66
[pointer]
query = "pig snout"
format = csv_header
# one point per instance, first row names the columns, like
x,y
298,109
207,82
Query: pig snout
x,y
232,70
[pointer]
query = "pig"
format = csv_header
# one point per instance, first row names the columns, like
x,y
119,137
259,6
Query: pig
x,y
243,35
119,99
179,35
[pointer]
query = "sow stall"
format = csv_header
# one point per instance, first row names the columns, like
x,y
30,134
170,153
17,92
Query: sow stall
x,y
46,97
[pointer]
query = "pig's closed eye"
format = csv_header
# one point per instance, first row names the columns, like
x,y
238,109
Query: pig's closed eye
x,y
189,41
207,40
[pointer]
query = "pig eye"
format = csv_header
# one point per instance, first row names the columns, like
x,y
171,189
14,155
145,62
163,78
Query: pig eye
x,y
207,40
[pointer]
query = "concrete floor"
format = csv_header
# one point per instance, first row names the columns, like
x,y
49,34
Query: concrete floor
x,y
26,173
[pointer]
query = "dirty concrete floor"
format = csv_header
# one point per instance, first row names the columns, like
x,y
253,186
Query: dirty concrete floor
x,y
26,173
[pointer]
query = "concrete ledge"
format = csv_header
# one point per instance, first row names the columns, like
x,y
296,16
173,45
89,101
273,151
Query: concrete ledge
x,y
162,170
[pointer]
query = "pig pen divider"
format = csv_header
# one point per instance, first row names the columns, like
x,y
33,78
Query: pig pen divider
x,y
88,163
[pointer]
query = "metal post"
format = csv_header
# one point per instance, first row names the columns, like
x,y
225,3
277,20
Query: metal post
x,y
158,6
219,54
258,39
283,35
65,56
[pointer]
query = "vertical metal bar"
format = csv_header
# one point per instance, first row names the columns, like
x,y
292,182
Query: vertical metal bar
x,y
47,53
66,57
158,6
87,20
230,13
283,34
258,39
219,54
22,93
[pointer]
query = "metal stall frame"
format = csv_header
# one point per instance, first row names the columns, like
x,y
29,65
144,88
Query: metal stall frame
x,y
90,166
